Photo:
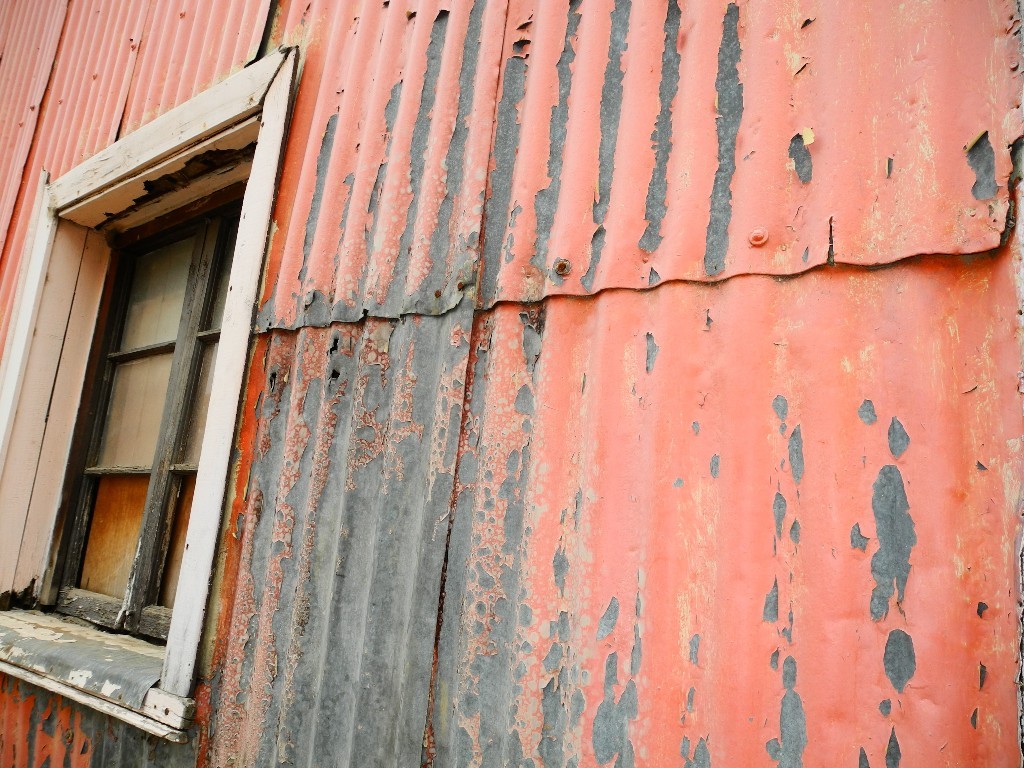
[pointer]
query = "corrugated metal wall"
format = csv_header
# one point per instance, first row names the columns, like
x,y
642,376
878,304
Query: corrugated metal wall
x,y
581,427
40,729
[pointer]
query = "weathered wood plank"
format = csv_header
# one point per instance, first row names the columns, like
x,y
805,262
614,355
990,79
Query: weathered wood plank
x,y
155,621
18,351
93,607
42,528
169,709
96,211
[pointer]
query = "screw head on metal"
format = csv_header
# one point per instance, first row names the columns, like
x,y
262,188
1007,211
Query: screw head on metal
x,y
562,267
758,236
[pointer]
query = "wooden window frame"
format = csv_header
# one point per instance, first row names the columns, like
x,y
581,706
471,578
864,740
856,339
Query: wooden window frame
x,y
137,610
43,365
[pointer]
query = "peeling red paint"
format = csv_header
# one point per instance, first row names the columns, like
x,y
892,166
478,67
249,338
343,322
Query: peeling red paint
x,y
489,480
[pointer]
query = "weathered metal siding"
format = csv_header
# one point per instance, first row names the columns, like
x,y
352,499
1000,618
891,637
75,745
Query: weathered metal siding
x,y
384,178
188,46
29,33
39,729
757,521
679,535
641,142
343,539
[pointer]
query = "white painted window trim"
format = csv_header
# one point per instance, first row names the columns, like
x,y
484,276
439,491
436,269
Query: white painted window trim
x,y
262,90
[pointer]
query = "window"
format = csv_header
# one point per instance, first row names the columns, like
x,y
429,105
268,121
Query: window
x,y
115,446
141,434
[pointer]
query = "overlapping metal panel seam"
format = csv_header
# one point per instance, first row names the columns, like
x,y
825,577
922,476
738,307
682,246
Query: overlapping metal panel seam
x,y
780,75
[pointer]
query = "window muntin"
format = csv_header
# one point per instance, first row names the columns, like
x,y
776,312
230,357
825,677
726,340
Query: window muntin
x,y
153,375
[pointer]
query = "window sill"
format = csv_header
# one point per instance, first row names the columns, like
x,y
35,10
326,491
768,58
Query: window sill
x,y
114,674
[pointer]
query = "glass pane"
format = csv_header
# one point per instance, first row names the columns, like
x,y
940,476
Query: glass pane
x,y
114,533
200,406
157,294
133,416
182,511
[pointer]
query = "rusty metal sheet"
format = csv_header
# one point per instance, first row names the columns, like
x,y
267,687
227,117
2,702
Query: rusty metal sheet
x,y
755,522
187,47
384,176
341,539
637,142
38,729
29,32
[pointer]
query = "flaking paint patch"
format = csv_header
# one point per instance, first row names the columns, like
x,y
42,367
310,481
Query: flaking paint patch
x,y
885,707
652,351
899,440
796,454
657,188
866,412
694,649
899,659
863,760
716,465
794,532
608,619
893,753
701,755
373,206
560,566
801,158
890,565
611,112
545,203
323,162
610,736
788,749
730,111
779,513
857,539
770,613
982,159
781,407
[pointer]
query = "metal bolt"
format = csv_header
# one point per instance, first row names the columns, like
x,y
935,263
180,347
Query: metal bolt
x,y
758,237
562,267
